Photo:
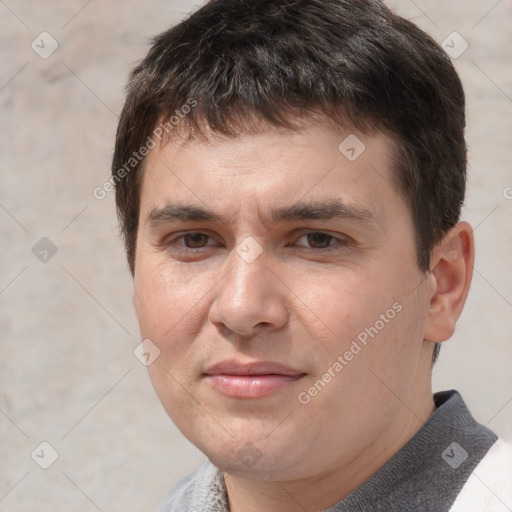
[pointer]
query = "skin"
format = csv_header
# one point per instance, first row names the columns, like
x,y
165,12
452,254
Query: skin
x,y
301,302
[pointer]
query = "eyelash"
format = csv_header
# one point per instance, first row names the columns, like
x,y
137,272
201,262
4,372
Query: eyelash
x,y
340,243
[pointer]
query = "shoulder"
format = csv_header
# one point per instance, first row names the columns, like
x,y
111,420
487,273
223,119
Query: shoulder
x,y
489,487
183,491
200,490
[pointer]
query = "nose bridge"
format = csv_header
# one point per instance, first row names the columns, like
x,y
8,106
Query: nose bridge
x,y
247,280
250,294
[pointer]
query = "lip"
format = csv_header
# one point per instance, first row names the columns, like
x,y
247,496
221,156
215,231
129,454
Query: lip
x,y
251,380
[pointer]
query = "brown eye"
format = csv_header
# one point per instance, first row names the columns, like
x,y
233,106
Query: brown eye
x,y
319,240
195,240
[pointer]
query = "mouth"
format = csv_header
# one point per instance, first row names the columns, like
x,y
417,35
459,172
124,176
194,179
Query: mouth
x,y
251,380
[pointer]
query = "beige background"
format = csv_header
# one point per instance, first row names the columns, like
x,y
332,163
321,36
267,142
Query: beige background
x,y
67,372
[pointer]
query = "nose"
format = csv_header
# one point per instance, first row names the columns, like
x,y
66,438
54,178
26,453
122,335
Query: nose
x,y
251,298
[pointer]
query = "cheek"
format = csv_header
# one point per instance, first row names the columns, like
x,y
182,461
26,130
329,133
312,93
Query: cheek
x,y
344,302
168,307
168,300
371,317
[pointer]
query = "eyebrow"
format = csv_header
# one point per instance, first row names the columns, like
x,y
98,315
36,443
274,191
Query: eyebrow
x,y
313,210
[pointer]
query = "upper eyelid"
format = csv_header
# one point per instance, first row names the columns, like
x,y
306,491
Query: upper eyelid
x,y
339,238
177,236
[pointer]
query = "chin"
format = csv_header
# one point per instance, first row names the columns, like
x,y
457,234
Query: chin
x,y
254,455
256,465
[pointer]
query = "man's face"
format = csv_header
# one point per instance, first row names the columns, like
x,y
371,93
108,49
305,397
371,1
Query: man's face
x,y
303,257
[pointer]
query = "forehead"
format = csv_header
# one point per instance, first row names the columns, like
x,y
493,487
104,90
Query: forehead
x,y
270,168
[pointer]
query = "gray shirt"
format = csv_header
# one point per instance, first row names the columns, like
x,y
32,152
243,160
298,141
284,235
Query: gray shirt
x,y
426,475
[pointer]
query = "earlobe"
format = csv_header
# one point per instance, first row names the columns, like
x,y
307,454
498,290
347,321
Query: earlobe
x,y
452,269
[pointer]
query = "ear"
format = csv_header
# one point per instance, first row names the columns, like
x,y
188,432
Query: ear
x,y
452,269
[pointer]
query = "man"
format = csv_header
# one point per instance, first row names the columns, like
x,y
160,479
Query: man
x,y
289,176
